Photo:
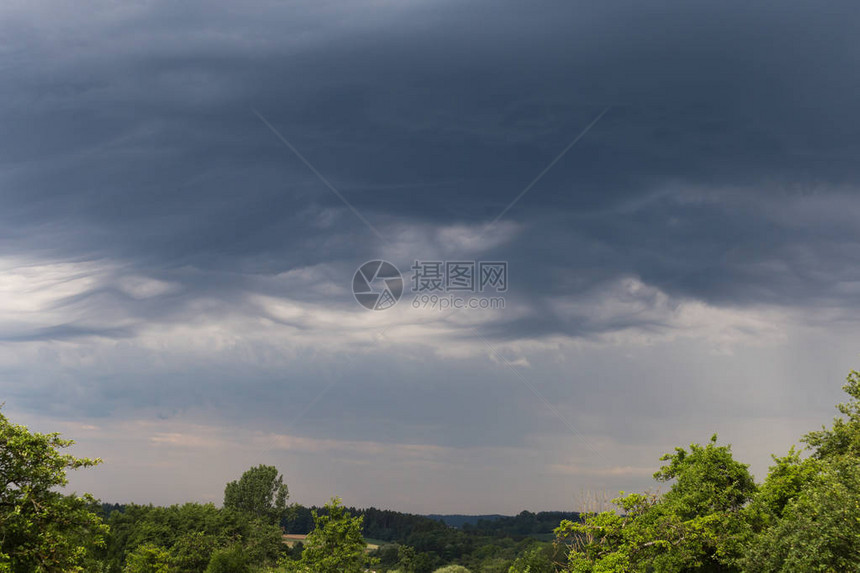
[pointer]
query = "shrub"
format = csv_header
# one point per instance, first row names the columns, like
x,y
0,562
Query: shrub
x,y
229,560
452,569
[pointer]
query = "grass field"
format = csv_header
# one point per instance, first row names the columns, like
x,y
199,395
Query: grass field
x,y
292,538
375,543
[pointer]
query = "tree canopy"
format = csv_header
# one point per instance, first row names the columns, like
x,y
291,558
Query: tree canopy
x,y
42,529
335,544
804,517
260,491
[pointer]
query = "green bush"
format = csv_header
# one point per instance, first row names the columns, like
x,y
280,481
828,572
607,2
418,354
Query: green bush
x,y
229,560
148,558
452,569
191,552
536,560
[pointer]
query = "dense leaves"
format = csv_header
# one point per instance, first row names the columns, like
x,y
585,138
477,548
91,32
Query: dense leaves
x,y
42,529
148,558
231,559
819,529
260,492
191,534
335,544
804,517
524,524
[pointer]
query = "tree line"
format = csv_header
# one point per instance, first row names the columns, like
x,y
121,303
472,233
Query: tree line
x,y
714,517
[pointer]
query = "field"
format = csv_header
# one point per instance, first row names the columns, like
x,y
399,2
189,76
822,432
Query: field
x,y
292,538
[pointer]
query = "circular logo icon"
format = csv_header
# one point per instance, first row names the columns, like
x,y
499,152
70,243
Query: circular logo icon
x,y
377,285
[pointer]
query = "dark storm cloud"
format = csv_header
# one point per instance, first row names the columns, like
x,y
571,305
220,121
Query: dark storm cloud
x,y
131,137
163,256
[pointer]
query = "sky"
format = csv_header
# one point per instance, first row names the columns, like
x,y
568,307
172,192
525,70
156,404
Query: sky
x,y
188,189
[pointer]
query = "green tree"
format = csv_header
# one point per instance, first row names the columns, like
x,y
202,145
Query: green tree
x,y
843,437
804,517
698,525
260,491
191,552
809,509
819,529
42,529
191,532
148,558
229,560
335,544
535,560
785,480
405,559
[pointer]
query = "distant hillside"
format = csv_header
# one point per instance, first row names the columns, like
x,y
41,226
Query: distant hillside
x,y
459,520
526,523
393,526
381,524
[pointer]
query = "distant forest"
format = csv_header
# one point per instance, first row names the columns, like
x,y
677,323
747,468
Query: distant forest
x,y
526,523
395,526
406,542
388,525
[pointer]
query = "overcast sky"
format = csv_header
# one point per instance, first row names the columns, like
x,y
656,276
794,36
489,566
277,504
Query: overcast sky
x,y
176,281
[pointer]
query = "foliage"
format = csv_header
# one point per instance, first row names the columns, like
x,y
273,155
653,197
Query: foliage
x,y
523,524
260,491
804,517
382,524
335,544
452,569
148,558
194,538
42,529
810,509
538,559
229,560
192,551
785,480
697,524
399,558
191,532
707,480
819,529
843,438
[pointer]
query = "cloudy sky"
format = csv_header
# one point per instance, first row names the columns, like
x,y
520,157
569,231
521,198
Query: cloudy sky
x,y
186,190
